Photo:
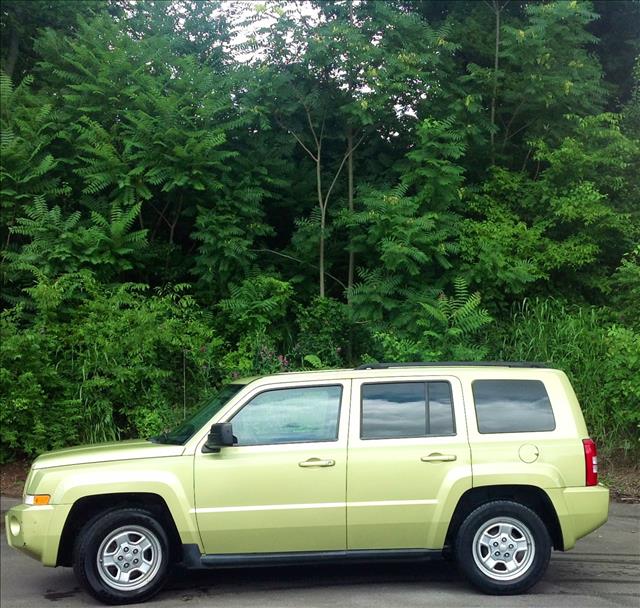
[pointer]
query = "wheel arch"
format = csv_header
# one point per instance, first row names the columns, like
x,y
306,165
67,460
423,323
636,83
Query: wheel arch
x,y
530,496
88,507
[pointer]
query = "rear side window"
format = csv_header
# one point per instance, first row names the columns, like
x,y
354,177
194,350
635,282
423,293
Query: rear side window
x,y
393,410
512,406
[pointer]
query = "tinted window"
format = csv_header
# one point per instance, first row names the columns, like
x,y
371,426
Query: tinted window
x,y
406,409
290,415
512,406
440,409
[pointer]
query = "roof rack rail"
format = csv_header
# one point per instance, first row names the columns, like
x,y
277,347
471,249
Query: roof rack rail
x,y
454,364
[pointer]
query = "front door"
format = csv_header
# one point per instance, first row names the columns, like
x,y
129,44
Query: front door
x,y
282,487
408,456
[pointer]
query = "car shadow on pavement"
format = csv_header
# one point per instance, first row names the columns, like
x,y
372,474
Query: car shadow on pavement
x,y
236,580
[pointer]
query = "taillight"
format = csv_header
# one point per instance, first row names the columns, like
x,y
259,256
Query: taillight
x,y
590,462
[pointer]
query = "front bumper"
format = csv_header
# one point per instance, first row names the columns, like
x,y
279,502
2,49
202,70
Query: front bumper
x,y
36,530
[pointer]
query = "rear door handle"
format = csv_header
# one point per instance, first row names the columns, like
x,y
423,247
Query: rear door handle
x,y
437,457
317,462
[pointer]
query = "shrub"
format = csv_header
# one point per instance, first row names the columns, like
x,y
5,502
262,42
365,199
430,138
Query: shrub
x,y
324,332
37,413
97,363
601,359
447,329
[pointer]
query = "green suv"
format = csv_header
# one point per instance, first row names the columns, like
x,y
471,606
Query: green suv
x,y
490,464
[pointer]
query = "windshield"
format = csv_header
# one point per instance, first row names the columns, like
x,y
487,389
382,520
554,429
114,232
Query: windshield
x,y
181,434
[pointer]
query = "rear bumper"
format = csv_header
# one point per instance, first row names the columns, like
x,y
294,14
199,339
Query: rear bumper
x,y
36,530
580,511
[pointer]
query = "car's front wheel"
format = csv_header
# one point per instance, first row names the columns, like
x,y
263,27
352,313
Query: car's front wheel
x,y
503,547
122,556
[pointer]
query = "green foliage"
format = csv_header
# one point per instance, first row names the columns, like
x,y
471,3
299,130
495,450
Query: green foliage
x,y
450,322
228,231
111,362
578,214
325,333
55,245
625,289
545,73
256,353
175,175
601,358
447,330
36,412
258,303
406,234
27,130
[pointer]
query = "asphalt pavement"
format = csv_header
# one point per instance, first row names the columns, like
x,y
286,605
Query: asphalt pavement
x,y
602,571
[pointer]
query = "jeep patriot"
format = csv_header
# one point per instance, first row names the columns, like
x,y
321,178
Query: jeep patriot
x,y
489,464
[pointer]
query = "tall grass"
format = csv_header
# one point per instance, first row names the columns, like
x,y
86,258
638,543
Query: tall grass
x,y
601,359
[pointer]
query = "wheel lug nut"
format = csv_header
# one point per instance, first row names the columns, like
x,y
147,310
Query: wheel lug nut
x,y
126,549
506,555
135,550
126,565
510,546
495,544
497,553
504,540
119,558
135,561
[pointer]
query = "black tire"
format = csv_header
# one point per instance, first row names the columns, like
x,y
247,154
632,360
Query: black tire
x,y
505,568
132,530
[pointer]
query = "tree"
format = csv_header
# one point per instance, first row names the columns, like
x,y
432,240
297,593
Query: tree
x,y
409,231
27,167
567,229
22,20
345,76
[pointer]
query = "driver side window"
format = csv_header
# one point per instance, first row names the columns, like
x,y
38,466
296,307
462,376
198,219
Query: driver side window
x,y
289,415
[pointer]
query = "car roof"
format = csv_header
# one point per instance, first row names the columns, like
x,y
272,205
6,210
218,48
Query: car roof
x,y
381,370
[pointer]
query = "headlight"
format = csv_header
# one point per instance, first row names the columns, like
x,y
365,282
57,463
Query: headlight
x,y
38,500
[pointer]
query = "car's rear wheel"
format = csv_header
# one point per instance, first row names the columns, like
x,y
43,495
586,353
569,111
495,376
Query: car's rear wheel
x,y
503,547
122,556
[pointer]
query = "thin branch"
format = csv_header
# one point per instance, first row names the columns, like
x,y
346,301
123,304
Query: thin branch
x,y
322,128
313,131
161,217
508,126
290,257
526,160
528,124
494,6
353,149
175,221
309,152
288,130
335,178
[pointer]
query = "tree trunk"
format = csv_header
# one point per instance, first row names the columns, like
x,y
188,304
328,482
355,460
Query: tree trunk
x,y
323,212
496,65
350,200
321,264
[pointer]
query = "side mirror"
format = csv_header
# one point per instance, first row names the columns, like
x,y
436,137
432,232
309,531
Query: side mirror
x,y
220,436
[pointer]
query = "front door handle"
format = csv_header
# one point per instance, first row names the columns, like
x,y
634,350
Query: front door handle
x,y
317,462
437,457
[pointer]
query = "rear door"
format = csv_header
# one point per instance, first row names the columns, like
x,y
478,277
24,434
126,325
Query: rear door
x,y
409,460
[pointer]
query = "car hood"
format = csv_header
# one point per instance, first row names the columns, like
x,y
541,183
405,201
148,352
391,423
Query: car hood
x,y
106,452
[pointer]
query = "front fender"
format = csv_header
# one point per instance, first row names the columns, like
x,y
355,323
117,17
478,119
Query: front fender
x,y
169,478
